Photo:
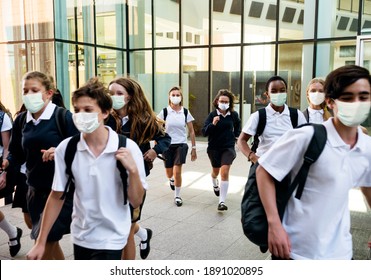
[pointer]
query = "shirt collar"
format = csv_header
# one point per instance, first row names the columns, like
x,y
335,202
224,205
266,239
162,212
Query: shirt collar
x,y
271,111
335,140
218,112
112,143
172,110
313,111
46,114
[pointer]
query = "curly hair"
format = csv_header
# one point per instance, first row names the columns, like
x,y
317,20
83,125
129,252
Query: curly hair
x,y
144,122
229,94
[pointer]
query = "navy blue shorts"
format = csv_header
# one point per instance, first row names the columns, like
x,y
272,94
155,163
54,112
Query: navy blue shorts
x,y
175,155
221,157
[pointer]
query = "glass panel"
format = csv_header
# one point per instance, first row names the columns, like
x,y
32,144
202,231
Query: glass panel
x,y
141,70
64,22
62,70
290,65
260,22
166,76
110,23
140,24
13,61
11,21
291,20
195,26
85,21
226,22
166,23
40,57
226,72
195,80
110,64
39,19
337,21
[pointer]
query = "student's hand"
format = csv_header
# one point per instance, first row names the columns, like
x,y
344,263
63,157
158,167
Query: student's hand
x,y
5,164
125,157
150,155
2,179
193,155
36,252
216,120
254,158
278,241
48,155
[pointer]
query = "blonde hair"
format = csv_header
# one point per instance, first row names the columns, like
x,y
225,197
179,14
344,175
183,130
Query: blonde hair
x,y
326,112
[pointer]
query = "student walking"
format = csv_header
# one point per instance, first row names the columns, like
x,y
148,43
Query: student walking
x,y
177,120
222,126
36,132
317,226
133,117
101,218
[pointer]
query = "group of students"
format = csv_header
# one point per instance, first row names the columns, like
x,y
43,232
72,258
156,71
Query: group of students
x,y
105,209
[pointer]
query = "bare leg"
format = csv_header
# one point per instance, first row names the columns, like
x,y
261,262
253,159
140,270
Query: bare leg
x,y
128,253
53,251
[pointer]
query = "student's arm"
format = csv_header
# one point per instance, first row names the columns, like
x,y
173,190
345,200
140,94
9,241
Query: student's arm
x,y
192,135
245,148
51,211
278,240
135,186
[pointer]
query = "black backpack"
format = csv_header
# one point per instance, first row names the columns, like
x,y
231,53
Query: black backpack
x,y
185,114
263,121
70,155
253,217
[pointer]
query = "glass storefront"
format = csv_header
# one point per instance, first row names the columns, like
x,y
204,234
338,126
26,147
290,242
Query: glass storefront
x,y
201,45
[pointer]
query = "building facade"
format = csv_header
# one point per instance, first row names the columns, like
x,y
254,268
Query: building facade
x,y
201,45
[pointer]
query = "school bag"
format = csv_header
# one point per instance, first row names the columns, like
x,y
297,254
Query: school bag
x,y
253,217
69,155
263,121
185,114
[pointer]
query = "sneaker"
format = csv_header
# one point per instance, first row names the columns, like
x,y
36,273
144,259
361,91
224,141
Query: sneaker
x,y
171,182
144,250
222,206
15,243
178,201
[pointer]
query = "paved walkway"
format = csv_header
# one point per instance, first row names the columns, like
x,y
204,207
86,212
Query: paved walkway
x,y
197,231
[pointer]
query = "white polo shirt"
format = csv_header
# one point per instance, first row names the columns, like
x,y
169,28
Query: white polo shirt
x,y
315,116
7,125
175,124
318,224
100,220
277,124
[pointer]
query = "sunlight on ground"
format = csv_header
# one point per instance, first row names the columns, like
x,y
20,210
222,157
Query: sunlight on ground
x,y
356,201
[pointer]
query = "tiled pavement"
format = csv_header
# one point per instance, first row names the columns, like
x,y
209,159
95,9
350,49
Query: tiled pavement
x,y
197,231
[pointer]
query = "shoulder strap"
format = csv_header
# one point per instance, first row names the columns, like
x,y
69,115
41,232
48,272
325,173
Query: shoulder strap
x,y
185,114
69,155
165,113
259,130
294,116
123,174
2,114
60,117
314,150
306,114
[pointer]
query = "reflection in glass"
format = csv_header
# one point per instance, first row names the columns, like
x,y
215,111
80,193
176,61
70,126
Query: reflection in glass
x,y
166,23
195,30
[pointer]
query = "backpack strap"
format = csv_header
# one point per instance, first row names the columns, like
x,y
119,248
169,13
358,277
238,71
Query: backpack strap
x,y
165,113
60,118
314,150
123,174
259,130
2,114
306,114
69,155
294,116
185,114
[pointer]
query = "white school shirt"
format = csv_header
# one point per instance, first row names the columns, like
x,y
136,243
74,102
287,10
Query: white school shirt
x,y
315,116
277,124
7,125
175,124
100,220
318,224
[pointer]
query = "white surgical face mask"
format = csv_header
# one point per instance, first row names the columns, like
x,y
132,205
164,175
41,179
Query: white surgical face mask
x,y
353,113
223,106
278,99
33,102
175,99
86,122
118,101
316,98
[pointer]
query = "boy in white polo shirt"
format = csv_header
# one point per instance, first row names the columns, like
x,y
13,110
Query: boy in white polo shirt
x,y
100,220
318,225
